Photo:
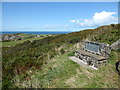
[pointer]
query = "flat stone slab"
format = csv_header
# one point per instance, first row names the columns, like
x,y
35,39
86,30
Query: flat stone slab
x,y
82,63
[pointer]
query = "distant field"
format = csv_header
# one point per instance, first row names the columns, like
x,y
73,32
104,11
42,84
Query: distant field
x,y
25,35
13,43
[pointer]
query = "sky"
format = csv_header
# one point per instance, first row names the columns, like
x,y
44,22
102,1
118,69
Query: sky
x,y
57,16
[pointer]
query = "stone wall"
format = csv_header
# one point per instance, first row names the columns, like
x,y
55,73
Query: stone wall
x,y
104,52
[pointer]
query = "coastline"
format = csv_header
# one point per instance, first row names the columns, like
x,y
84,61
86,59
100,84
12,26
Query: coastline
x,y
35,32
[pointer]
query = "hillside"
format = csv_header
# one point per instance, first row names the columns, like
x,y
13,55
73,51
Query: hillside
x,y
46,62
10,40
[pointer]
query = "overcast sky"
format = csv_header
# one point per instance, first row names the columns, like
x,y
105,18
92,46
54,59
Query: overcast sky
x,y
57,16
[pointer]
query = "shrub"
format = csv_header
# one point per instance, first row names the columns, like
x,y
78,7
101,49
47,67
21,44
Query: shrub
x,y
71,53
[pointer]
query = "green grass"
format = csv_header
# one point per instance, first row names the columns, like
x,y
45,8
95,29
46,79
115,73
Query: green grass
x,y
55,73
61,72
13,43
25,35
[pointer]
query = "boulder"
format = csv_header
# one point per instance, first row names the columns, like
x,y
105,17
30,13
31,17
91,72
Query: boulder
x,y
115,45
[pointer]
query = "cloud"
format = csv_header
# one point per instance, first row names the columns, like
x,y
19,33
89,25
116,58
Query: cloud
x,y
98,19
55,26
74,21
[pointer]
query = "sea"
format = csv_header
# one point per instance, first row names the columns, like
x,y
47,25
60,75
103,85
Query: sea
x,y
33,32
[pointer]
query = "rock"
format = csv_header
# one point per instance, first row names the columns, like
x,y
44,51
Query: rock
x,y
12,38
6,37
38,36
118,67
115,45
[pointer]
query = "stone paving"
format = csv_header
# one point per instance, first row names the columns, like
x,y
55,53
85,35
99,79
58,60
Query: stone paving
x,y
82,63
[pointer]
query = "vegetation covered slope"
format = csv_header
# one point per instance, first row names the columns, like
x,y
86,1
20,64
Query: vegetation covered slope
x,y
61,72
22,61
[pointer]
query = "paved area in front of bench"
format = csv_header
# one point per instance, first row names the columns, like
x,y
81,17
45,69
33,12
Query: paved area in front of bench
x,y
82,63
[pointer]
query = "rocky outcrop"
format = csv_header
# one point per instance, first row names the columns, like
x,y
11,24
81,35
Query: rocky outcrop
x,y
15,37
8,37
115,45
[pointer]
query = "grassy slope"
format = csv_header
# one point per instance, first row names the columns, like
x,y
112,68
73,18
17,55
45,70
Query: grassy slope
x,y
61,72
